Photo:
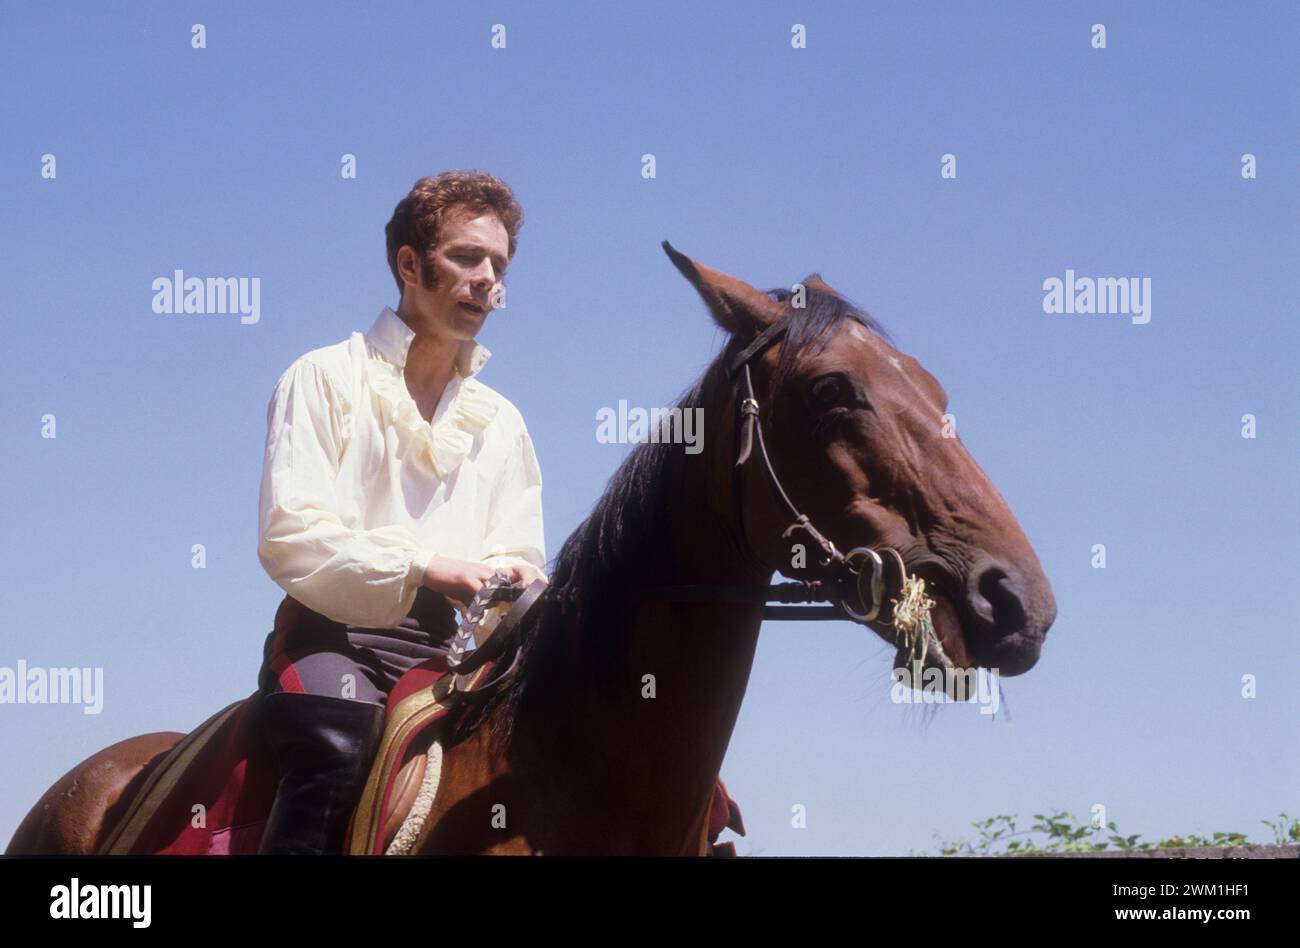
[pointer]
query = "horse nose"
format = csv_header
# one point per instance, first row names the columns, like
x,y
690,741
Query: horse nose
x,y
997,595
1013,607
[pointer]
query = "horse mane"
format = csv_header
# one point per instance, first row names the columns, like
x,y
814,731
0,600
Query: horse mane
x,y
626,538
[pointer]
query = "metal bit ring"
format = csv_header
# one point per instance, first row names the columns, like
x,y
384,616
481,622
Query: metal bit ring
x,y
877,584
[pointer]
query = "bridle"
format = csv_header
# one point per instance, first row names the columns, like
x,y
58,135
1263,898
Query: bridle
x,y
863,574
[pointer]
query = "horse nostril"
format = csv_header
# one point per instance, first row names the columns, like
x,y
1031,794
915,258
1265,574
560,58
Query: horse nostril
x,y
1007,611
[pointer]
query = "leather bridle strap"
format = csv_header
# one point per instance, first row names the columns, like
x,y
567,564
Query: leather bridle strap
x,y
774,331
750,428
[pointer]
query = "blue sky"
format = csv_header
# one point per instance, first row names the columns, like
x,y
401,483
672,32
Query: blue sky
x,y
772,162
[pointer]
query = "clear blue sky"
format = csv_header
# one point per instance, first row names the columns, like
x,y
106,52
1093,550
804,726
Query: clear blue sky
x,y
772,163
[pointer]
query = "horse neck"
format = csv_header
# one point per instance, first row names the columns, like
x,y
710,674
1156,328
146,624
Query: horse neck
x,y
650,764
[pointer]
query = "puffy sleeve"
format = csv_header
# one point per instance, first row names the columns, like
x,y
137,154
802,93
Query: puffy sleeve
x,y
366,578
514,530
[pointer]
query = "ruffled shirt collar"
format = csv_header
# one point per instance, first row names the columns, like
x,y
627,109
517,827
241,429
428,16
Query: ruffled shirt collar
x,y
393,338
449,439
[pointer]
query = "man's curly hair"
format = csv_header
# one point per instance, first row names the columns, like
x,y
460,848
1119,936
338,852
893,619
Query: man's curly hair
x,y
418,217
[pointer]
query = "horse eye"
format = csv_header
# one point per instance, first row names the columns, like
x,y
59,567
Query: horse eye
x,y
830,389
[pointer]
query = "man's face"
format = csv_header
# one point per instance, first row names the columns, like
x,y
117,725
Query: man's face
x,y
450,294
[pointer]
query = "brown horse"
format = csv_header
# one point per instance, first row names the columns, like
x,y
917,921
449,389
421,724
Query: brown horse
x,y
611,737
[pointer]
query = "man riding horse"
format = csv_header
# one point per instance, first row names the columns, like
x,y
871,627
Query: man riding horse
x,y
394,483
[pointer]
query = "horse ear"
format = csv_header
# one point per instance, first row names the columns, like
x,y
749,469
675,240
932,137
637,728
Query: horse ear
x,y
736,306
814,281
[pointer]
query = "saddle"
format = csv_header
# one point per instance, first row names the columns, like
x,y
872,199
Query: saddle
x,y
211,793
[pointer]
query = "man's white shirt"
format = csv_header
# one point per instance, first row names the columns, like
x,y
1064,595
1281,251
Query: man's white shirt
x,y
359,492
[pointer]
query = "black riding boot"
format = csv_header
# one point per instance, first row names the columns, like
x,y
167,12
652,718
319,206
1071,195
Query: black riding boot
x,y
324,747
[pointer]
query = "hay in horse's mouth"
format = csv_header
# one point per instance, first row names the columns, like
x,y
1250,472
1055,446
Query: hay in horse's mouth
x,y
941,650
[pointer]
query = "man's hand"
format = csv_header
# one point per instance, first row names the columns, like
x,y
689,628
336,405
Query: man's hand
x,y
458,580
524,573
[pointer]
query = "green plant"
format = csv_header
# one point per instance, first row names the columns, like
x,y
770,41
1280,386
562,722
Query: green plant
x,y
1060,832
1285,830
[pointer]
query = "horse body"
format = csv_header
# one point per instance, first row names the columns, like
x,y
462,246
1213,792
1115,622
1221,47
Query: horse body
x,y
611,737
84,804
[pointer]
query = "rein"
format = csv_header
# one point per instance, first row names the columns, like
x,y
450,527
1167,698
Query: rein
x,y
491,643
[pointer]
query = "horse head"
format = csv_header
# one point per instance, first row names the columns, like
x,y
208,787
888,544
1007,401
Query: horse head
x,y
860,440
